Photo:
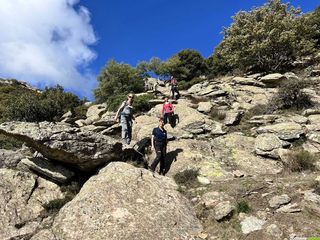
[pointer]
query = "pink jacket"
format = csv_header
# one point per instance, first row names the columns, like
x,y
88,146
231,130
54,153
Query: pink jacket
x,y
167,108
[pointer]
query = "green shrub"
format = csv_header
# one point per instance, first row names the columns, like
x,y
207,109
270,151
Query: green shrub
x,y
80,111
9,94
114,102
186,65
217,114
217,64
141,103
243,207
184,85
118,79
298,161
268,38
49,105
187,177
9,143
291,96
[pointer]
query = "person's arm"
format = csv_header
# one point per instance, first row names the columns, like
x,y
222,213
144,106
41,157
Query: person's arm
x,y
152,141
162,109
172,108
118,112
134,118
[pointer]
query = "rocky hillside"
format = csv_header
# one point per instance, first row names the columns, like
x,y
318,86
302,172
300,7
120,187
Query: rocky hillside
x,y
232,172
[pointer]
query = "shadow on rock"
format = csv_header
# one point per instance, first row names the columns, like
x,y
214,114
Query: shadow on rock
x,y
172,157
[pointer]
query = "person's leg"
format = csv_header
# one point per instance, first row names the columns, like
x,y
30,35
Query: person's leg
x,y
163,161
172,92
157,159
170,118
124,129
165,118
129,124
178,94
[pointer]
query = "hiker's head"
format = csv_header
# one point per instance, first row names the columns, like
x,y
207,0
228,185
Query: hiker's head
x,y
130,97
161,121
166,99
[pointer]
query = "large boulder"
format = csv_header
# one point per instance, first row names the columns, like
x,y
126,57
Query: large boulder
x,y
247,81
47,168
268,144
107,120
233,117
124,202
285,130
94,113
235,151
273,80
204,107
263,119
96,110
61,142
22,200
11,158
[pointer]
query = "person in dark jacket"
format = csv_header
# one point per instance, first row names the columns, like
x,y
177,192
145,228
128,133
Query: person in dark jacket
x,y
174,88
125,116
159,143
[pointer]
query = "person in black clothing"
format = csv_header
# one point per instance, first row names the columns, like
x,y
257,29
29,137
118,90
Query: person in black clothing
x,y
159,143
174,88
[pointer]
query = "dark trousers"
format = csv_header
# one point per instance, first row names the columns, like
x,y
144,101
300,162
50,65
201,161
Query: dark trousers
x,y
160,157
167,117
174,89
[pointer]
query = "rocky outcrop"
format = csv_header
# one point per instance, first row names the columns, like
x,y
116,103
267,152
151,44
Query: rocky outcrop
x,y
22,200
268,144
47,168
204,107
251,224
11,158
233,118
223,210
61,142
278,201
124,202
285,130
237,152
247,81
273,80
189,122
263,119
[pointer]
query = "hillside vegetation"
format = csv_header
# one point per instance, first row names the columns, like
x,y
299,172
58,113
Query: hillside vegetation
x,y
269,38
19,102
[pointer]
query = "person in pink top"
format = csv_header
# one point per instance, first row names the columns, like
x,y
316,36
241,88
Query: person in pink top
x,y
167,111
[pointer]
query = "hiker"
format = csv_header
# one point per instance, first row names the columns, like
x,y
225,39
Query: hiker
x,y
159,143
167,111
125,116
174,87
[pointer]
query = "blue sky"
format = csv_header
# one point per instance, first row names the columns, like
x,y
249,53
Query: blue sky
x,y
68,42
131,31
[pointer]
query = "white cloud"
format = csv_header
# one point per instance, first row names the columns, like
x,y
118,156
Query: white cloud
x,y
46,43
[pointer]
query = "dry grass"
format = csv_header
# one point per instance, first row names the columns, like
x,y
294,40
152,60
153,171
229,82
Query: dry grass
x,y
301,160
